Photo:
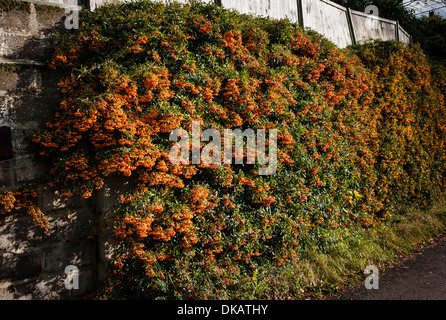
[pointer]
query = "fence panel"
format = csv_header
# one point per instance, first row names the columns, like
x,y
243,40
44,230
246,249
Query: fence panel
x,y
277,9
329,19
369,27
404,36
333,21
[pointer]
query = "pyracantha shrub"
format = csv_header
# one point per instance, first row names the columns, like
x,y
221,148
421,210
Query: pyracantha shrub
x,y
356,135
409,102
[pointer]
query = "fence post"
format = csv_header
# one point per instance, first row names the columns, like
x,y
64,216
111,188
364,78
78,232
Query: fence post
x,y
350,25
397,31
300,13
217,2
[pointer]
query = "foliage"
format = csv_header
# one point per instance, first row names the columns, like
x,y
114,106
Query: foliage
x,y
430,32
410,103
357,136
26,199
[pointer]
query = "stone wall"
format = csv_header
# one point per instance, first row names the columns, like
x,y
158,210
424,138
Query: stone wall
x,y
28,91
32,262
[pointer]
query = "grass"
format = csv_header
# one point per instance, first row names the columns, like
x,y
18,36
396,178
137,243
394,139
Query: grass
x,y
318,273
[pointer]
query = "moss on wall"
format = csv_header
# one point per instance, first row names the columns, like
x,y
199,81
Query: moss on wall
x,y
6,5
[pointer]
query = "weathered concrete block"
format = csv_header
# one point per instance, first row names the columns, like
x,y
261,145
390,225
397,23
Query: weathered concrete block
x,y
53,200
12,290
6,177
4,110
11,44
28,170
20,266
32,262
33,108
19,234
6,292
50,79
19,79
50,19
87,283
20,130
19,46
14,173
14,20
48,286
45,287
56,258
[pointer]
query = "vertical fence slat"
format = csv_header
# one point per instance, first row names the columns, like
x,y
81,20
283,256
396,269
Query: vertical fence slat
x,y
300,13
351,26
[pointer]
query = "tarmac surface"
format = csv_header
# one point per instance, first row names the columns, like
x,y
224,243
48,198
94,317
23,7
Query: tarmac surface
x,y
422,276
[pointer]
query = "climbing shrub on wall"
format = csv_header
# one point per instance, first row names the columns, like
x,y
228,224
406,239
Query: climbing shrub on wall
x,y
347,155
25,199
409,101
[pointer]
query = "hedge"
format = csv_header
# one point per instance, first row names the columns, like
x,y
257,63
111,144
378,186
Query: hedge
x,y
360,132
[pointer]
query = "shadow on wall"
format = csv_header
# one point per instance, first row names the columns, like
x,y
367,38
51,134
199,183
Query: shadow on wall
x,y
28,91
32,262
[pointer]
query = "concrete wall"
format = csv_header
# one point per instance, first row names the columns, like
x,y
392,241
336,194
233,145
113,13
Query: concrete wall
x,y
278,9
323,16
329,19
370,27
404,36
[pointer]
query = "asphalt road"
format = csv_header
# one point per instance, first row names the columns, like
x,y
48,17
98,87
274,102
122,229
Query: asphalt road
x,y
419,277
